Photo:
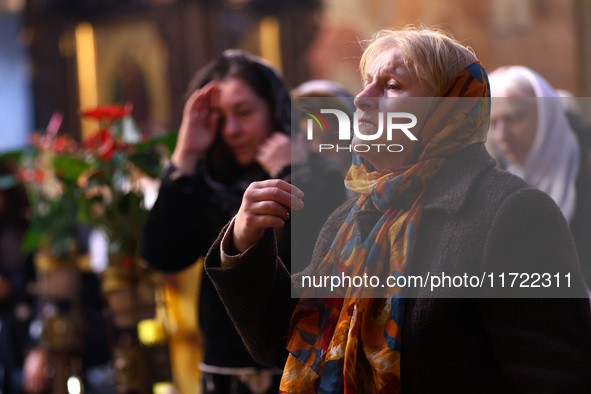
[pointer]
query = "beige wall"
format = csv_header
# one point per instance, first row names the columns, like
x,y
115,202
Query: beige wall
x,y
539,34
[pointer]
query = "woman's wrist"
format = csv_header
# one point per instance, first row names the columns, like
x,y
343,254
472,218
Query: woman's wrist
x,y
185,162
230,254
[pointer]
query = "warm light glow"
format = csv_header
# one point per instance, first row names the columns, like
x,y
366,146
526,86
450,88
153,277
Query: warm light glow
x,y
269,39
12,6
85,58
74,386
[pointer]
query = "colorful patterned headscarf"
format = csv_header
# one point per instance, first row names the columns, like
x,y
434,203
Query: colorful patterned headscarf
x,y
352,344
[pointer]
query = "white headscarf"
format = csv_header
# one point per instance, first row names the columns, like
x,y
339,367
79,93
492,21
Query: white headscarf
x,y
552,164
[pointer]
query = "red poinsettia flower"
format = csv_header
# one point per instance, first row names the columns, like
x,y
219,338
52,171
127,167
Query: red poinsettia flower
x,y
30,175
38,176
61,144
127,262
108,112
102,143
126,147
40,141
22,175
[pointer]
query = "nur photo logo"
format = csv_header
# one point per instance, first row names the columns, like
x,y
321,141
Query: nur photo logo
x,y
395,122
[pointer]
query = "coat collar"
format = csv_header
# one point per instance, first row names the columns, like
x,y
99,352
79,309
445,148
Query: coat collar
x,y
451,187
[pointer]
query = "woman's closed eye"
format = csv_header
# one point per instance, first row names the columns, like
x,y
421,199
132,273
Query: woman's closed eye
x,y
244,112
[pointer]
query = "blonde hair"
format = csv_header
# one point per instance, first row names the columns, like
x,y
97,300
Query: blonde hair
x,y
434,56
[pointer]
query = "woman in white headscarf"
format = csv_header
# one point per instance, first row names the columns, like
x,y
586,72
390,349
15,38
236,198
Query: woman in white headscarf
x,y
531,137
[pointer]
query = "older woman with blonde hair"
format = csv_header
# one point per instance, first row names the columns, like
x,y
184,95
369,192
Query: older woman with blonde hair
x,y
436,207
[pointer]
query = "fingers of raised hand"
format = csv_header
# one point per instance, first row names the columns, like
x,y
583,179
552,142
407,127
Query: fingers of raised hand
x,y
276,142
271,208
277,191
278,183
279,138
213,120
255,221
203,100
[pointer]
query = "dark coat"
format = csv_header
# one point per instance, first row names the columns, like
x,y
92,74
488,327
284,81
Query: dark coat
x,y
581,222
188,216
474,215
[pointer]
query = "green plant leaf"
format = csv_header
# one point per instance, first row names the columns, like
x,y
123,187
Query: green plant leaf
x,y
83,209
168,140
69,168
14,155
32,240
148,161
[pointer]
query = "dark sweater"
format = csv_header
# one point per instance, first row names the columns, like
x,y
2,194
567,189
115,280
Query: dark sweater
x,y
474,215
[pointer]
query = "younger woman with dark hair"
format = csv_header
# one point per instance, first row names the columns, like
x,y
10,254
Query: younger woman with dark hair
x,y
235,131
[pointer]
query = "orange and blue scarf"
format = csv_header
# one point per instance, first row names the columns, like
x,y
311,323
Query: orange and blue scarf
x,y
353,344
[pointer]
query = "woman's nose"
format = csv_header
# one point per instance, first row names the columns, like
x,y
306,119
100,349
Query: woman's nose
x,y
500,130
367,99
231,126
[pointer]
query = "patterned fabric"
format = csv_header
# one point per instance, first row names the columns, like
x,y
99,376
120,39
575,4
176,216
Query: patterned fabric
x,y
352,344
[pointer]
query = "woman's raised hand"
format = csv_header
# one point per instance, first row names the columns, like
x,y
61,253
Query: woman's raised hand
x,y
265,204
198,128
275,153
